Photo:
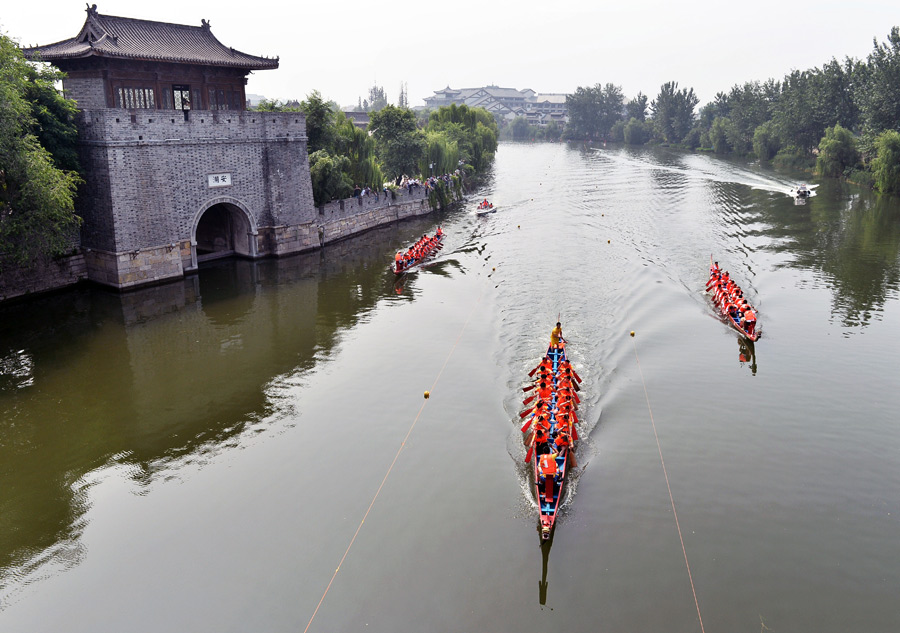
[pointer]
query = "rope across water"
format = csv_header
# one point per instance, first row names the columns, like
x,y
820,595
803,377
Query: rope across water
x,y
668,487
397,455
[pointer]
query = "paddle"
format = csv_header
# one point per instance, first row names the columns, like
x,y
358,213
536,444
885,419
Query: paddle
x,y
571,455
528,454
526,425
526,412
528,388
529,399
574,433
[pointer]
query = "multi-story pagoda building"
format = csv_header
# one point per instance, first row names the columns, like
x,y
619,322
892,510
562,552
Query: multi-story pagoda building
x,y
176,169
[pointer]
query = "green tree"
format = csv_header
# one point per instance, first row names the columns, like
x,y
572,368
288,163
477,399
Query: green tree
x,y
320,122
637,108
611,108
766,141
519,128
837,152
37,218
358,147
53,116
748,108
584,107
617,132
398,142
329,176
718,135
886,165
553,131
673,111
635,132
377,99
880,94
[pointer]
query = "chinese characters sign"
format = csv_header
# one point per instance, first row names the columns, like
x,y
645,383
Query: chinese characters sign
x,y
219,180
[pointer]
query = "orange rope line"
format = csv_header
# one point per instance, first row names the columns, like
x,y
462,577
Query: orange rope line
x,y
671,498
391,467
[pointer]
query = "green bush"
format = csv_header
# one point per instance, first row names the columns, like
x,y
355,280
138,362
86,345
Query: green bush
x,y
837,152
886,166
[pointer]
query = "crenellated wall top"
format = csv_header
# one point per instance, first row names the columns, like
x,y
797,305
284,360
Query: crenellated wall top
x,y
114,125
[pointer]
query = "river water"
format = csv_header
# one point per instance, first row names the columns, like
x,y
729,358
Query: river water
x,y
202,456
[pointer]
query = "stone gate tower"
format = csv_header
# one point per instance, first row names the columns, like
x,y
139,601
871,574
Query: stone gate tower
x,y
176,169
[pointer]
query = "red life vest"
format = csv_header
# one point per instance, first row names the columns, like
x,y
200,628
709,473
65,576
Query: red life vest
x,y
548,465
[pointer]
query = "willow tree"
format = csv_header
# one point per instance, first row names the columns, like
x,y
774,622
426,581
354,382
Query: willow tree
x,y
356,144
441,154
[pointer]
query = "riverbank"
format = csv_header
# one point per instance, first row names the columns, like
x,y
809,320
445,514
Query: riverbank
x,y
335,221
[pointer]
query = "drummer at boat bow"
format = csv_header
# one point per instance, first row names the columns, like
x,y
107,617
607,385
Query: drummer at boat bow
x,y
556,336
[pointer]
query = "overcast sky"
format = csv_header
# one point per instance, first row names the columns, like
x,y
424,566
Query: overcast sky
x,y
342,48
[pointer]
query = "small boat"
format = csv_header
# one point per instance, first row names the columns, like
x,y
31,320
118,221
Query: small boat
x,y
803,191
485,207
425,248
549,489
734,321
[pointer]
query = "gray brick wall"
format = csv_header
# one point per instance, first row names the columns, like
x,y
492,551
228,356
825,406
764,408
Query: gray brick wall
x,y
152,168
89,92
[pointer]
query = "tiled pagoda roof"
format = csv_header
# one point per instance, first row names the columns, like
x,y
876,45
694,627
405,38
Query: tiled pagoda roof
x,y
129,38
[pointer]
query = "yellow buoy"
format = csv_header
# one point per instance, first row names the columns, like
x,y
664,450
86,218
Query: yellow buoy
x,y
493,269
632,334
427,394
607,241
519,226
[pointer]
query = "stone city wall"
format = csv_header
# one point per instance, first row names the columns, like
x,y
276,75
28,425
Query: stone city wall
x,y
52,275
342,218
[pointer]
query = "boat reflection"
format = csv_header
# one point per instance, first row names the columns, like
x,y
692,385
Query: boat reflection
x,y
545,557
747,353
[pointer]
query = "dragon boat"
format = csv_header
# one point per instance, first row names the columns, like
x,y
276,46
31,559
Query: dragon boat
x,y
428,246
559,397
734,321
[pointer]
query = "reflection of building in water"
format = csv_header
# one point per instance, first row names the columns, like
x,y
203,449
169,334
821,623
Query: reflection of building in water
x,y
159,375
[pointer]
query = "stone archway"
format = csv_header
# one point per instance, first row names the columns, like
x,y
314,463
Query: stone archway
x,y
224,228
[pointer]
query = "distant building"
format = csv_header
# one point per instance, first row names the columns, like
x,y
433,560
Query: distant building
x,y
508,103
360,119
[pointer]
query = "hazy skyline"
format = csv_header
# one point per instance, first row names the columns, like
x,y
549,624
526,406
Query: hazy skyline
x,y
343,49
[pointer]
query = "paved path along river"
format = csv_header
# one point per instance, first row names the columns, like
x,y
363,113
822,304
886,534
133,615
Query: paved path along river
x,y
199,456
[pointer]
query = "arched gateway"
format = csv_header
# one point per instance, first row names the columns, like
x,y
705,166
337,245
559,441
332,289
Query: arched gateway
x,y
223,227
177,169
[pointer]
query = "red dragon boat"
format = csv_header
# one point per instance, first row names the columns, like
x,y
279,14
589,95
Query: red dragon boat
x,y
729,299
551,429
424,249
